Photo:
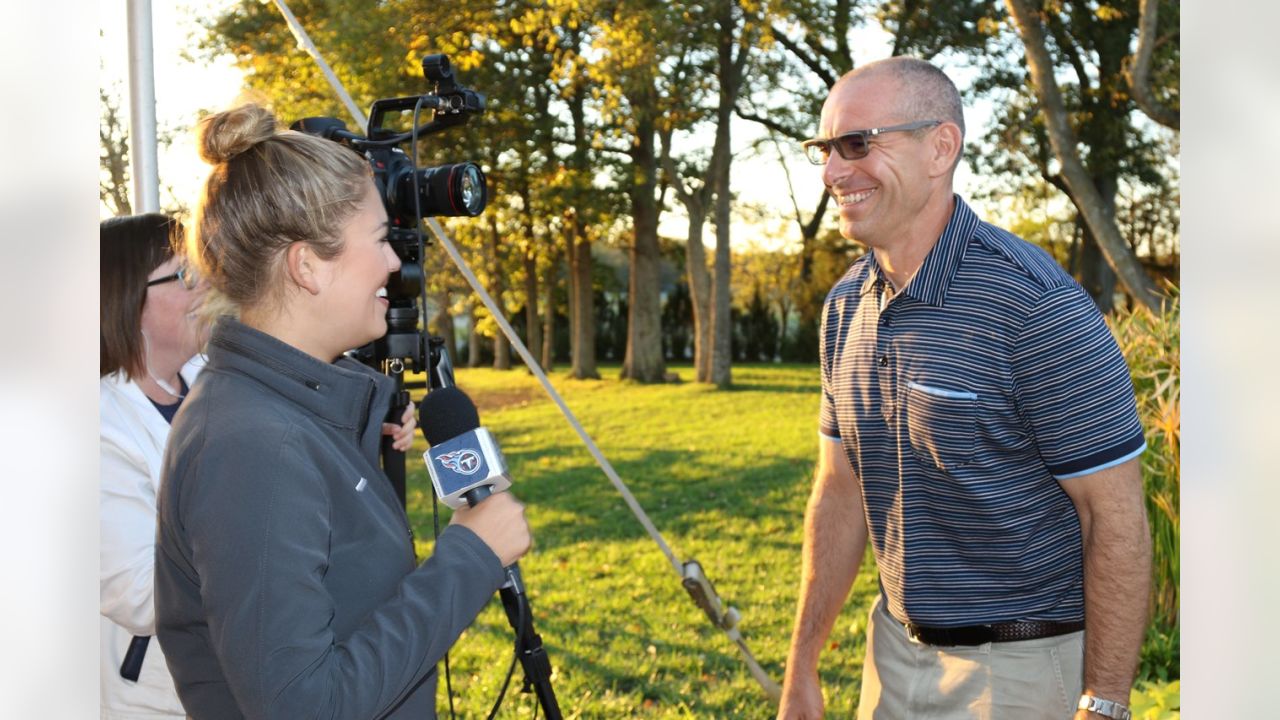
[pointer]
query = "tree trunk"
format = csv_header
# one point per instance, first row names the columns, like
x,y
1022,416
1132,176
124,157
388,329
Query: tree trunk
x,y
582,321
473,337
699,292
443,322
643,360
1096,276
532,326
699,279
730,70
1063,140
582,312
497,286
549,315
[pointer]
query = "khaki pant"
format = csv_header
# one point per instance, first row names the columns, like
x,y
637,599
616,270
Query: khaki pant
x,y
1022,680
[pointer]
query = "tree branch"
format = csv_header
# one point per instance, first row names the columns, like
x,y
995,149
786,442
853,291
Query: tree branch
x,y
804,57
900,35
673,176
1068,48
1138,70
770,124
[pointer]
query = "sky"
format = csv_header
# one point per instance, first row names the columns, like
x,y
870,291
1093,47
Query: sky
x,y
185,86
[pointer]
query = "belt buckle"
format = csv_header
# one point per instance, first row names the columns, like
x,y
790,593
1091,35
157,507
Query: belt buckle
x,y
933,637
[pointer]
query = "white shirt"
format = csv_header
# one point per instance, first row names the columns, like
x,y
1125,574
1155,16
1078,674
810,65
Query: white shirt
x,y
132,435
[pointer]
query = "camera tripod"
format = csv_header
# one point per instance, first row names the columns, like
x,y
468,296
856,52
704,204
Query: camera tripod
x,y
428,352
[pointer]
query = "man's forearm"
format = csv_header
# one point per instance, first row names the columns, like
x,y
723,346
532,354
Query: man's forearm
x,y
834,541
1117,579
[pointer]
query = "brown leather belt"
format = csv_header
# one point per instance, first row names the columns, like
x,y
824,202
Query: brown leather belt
x,y
995,632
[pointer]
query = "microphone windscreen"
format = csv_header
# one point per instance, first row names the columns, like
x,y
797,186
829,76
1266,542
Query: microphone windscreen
x,y
447,413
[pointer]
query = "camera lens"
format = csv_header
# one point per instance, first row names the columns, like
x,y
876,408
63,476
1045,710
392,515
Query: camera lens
x,y
447,190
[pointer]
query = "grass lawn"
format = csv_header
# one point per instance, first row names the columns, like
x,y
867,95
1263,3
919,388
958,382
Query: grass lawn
x,y
723,475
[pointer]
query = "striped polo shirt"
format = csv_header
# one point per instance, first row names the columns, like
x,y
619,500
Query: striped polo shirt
x,y
961,402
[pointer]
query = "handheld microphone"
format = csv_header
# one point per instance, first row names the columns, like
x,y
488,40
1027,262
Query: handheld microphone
x,y
466,467
464,461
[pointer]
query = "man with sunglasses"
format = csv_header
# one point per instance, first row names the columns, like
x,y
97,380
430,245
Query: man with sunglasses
x,y
978,426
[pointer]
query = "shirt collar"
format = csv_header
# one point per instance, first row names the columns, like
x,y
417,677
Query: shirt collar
x,y
930,283
342,393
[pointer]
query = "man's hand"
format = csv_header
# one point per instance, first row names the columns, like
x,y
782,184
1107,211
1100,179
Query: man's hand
x,y
801,698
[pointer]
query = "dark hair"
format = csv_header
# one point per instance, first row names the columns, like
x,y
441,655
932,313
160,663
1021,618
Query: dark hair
x,y
132,247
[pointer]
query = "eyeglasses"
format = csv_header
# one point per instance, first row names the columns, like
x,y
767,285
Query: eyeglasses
x,y
855,145
184,276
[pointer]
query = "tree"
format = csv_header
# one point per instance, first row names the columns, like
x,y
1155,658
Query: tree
x,y
1138,71
113,174
114,187
1098,211
738,30
1082,46
632,47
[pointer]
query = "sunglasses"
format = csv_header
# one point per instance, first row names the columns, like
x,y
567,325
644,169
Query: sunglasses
x,y
184,276
855,145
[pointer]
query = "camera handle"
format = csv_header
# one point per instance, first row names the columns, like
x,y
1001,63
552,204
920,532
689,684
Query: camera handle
x,y
393,463
388,355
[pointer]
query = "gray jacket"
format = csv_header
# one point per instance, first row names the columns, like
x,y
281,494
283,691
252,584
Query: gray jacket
x,y
285,581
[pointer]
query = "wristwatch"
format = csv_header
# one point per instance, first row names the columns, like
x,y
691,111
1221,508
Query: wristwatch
x,y
1105,708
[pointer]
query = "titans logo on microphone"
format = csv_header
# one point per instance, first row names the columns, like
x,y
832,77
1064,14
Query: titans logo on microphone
x,y
465,461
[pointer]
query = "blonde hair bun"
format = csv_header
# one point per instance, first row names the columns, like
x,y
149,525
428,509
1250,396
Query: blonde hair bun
x,y
224,135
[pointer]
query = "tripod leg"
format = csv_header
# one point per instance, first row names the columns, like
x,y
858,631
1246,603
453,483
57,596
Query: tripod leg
x,y
533,658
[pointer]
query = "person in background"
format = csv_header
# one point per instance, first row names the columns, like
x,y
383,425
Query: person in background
x,y
978,427
149,342
286,579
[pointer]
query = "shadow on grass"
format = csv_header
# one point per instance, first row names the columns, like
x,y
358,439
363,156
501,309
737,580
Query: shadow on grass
x,y
676,491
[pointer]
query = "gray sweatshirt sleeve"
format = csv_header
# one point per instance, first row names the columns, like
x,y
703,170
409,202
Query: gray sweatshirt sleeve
x,y
259,528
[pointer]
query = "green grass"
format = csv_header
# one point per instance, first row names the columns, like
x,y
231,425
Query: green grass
x,y
724,477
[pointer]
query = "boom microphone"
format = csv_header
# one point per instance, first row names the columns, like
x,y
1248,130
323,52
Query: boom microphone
x,y
464,461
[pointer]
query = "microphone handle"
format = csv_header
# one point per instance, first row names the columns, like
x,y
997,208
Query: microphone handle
x,y
515,582
476,494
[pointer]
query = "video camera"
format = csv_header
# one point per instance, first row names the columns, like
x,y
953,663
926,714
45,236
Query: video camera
x,y
411,193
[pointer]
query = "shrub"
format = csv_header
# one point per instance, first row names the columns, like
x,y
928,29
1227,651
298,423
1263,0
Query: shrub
x,y
1150,343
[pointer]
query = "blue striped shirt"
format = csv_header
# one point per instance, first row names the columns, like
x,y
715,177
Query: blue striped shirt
x,y
961,403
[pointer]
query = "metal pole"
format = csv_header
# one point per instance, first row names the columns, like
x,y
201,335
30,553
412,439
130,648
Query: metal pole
x,y
143,165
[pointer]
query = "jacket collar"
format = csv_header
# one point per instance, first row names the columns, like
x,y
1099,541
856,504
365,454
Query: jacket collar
x,y
342,393
931,281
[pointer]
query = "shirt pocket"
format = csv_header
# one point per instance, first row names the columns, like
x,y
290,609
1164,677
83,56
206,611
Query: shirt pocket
x,y
941,425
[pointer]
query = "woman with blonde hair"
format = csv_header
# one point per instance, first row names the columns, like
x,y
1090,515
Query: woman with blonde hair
x,y
286,581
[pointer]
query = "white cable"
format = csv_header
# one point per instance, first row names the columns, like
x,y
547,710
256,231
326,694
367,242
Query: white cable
x,y
498,315
770,687
304,42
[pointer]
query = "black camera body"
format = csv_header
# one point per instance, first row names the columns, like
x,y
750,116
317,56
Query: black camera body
x,y
409,194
